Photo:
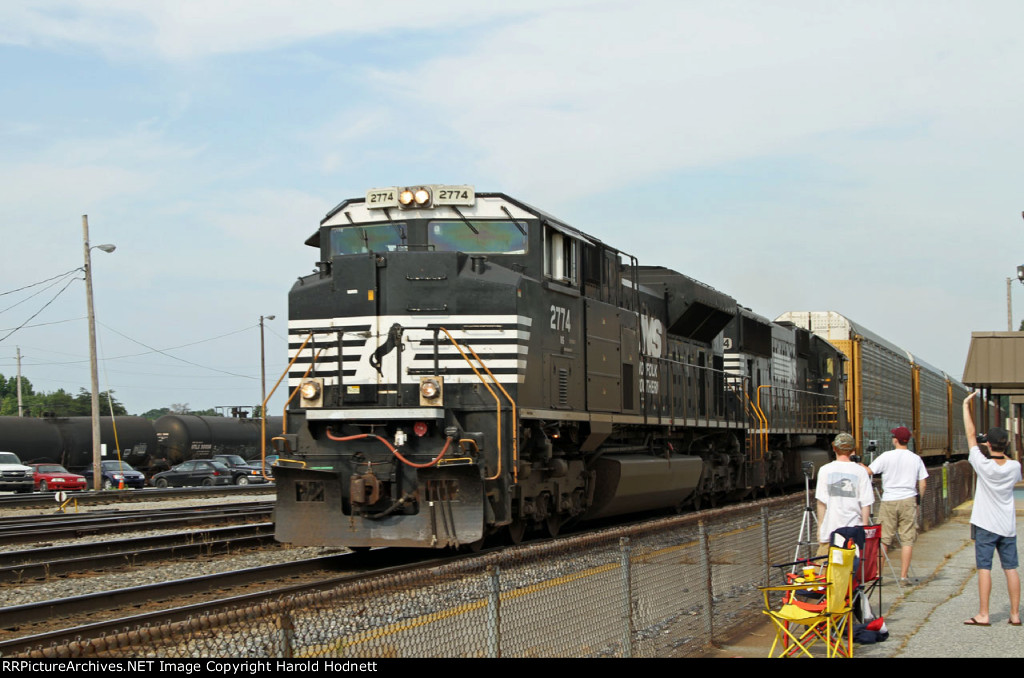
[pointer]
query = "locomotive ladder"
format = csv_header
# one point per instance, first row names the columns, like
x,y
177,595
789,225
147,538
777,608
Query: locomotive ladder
x,y
497,401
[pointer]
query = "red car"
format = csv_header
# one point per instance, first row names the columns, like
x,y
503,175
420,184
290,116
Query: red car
x,y
52,477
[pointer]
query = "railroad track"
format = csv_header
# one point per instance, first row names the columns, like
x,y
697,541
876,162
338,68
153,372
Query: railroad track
x,y
36,528
47,499
19,567
30,629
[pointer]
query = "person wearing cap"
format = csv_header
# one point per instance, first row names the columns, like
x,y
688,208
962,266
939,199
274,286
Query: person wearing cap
x,y
843,492
903,482
994,516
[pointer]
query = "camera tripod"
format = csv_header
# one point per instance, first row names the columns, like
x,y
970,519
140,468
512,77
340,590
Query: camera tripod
x,y
808,536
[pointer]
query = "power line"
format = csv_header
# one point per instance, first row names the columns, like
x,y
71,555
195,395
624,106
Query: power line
x,y
41,282
34,294
40,310
187,362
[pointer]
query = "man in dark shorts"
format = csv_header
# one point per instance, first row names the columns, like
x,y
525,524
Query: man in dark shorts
x,y
994,517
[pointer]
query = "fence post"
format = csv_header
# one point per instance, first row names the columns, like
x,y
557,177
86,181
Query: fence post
x,y
765,547
627,598
705,563
946,509
494,612
285,636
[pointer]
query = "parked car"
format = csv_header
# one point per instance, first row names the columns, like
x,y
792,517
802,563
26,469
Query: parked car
x,y
55,477
242,472
115,473
14,476
196,472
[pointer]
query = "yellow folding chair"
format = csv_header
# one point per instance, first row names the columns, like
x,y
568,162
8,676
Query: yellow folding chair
x,y
798,625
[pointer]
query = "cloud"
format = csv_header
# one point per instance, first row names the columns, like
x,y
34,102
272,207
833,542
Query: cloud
x,y
191,29
672,86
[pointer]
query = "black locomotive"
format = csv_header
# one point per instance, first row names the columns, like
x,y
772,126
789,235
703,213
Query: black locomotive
x,y
467,363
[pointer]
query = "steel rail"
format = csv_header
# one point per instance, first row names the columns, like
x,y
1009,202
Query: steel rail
x,y
59,560
47,643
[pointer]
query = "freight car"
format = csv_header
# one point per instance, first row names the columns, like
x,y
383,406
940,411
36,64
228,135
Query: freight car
x,y
146,445
466,363
888,386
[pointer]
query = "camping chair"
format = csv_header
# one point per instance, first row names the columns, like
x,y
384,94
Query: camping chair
x,y
832,623
867,575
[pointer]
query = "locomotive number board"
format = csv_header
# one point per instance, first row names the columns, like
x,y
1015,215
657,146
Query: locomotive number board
x,y
380,198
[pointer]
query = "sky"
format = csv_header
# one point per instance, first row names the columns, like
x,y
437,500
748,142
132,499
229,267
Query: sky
x,y
857,157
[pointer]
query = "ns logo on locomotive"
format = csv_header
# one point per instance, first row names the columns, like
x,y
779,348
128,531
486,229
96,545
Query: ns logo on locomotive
x,y
468,364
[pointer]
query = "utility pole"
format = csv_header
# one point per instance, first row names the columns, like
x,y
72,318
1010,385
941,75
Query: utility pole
x,y
20,410
97,473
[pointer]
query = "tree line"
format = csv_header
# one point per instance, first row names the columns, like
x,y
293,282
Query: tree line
x,y
60,403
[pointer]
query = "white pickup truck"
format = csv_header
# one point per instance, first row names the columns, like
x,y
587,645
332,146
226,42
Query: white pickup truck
x,y
14,476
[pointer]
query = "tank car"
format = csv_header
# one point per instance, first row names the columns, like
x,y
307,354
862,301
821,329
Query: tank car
x,y
148,446
466,363
133,436
189,436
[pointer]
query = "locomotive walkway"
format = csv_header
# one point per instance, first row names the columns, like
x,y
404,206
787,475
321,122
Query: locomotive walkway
x,y
926,619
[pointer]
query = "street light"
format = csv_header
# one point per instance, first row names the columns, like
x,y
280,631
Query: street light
x,y
93,367
263,368
263,394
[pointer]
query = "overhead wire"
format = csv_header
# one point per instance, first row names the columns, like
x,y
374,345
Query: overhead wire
x,y
61,291
41,282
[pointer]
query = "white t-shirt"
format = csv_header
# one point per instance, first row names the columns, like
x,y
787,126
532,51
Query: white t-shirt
x,y
994,508
900,469
844,487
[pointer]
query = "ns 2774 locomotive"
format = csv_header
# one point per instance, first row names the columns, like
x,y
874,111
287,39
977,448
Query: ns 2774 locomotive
x,y
468,364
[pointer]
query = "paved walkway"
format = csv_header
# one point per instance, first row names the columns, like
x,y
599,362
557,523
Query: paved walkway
x,y
926,618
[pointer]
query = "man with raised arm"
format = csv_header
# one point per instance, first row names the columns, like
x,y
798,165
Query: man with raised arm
x,y
994,517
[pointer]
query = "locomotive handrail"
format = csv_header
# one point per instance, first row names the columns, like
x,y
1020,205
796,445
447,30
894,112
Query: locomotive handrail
x,y
708,388
810,417
515,421
263,409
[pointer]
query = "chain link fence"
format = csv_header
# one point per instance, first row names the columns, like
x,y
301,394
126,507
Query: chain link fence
x,y
666,588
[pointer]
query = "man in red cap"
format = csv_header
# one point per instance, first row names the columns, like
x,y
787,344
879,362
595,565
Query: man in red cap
x,y
903,481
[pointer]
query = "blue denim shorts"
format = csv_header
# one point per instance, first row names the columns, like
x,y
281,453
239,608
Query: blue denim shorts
x,y
986,542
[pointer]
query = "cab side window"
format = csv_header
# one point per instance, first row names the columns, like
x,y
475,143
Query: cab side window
x,y
560,256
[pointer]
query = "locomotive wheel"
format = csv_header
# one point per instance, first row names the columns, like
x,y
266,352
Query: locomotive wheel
x,y
473,547
43,487
516,531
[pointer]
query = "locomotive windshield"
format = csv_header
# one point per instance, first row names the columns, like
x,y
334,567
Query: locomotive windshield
x,y
472,237
360,239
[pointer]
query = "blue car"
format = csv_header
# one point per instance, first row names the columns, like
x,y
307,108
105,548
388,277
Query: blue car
x,y
115,473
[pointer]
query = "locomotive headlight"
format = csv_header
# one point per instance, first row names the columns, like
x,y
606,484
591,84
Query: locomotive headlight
x,y
431,390
422,196
406,196
311,392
